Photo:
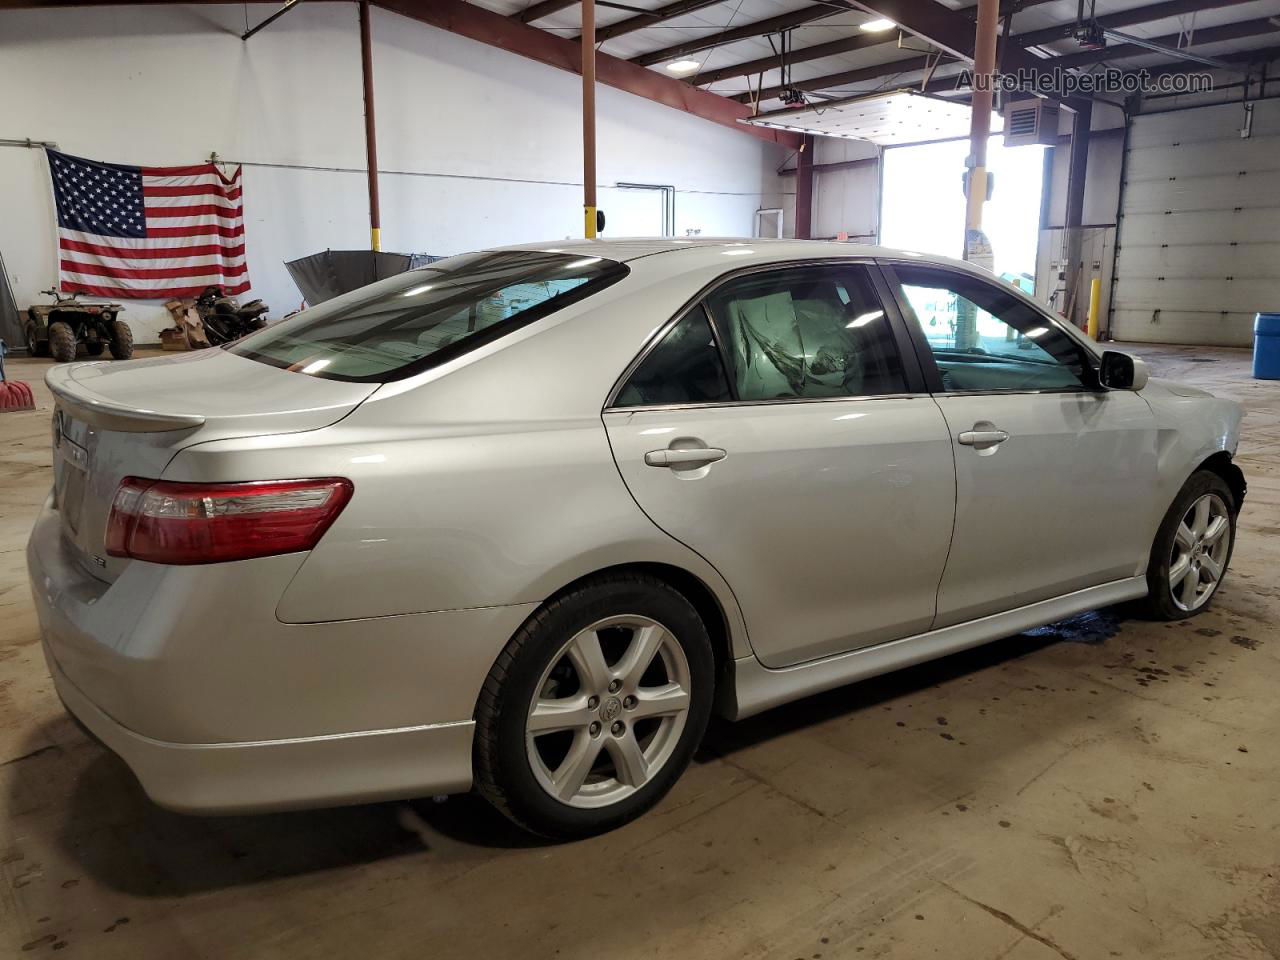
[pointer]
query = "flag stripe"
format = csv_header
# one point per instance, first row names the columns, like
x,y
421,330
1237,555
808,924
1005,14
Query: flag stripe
x,y
151,253
147,293
148,231
195,210
152,273
196,230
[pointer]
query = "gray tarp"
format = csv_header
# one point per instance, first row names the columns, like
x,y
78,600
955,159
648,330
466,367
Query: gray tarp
x,y
323,276
11,331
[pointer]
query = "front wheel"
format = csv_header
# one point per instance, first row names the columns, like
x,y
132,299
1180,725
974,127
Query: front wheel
x,y
1192,548
62,342
595,707
121,340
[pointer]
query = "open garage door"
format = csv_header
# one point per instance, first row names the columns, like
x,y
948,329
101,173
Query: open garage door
x,y
1199,238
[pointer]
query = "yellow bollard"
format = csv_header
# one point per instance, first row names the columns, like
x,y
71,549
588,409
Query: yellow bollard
x,y
1095,295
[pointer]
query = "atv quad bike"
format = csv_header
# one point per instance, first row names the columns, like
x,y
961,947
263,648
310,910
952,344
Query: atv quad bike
x,y
55,329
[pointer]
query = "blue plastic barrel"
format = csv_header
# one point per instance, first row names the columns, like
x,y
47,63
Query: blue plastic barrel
x,y
1266,346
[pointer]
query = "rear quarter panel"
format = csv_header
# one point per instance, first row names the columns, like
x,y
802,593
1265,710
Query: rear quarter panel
x,y
488,481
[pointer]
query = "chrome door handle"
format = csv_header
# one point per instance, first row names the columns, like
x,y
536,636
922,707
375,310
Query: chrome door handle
x,y
982,439
696,457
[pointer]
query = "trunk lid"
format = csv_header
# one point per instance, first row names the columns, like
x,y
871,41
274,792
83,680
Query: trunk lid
x,y
114,420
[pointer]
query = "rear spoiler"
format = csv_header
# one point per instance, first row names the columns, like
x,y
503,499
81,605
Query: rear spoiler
x,y
83,405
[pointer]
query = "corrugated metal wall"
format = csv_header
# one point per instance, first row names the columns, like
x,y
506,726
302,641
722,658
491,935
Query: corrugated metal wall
x,y
1199,236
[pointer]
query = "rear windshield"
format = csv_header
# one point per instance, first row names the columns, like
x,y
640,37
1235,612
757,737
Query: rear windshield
x,y
416,320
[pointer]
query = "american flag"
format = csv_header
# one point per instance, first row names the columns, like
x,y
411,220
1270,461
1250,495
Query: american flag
x,y
147,232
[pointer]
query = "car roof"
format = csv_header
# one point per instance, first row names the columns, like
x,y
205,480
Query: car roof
x,y
695,251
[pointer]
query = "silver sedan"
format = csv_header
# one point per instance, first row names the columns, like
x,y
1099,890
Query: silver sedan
x,y
523,519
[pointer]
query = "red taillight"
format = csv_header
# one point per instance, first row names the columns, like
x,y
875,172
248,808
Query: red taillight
x,y
183,523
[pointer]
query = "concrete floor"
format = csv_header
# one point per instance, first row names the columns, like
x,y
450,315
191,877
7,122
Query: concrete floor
x,y
1104,788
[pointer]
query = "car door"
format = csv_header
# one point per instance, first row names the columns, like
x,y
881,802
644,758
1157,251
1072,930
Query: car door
x,y
1053,472
781,429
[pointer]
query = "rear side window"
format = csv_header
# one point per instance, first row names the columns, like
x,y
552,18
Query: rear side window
x,y
408,323
683,367
807,332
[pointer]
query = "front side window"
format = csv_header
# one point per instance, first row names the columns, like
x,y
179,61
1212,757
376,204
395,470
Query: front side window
x,y
985,338
410,322
683,367
807,332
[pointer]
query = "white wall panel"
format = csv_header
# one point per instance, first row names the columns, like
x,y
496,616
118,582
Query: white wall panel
x,y
1199,243
476,146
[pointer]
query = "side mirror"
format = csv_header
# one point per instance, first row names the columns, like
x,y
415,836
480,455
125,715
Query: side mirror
x,y
1120,371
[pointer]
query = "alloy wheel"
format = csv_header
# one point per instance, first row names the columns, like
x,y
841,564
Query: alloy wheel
x,y
1201,545
608,711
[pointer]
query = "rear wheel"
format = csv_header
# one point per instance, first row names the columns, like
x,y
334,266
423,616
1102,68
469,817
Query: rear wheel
x,y
121,340
62,342
595,707
35,346
1192,548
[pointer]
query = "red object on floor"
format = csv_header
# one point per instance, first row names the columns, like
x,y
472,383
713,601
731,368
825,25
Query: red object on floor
x,y
16,395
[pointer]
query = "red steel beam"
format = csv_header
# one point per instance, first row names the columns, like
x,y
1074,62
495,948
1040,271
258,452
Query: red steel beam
x,y
565,54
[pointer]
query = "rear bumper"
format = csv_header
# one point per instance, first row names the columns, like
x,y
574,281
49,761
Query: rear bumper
x,y
283,774
218,706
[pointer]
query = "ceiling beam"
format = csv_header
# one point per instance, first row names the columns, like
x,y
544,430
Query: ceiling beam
x,y
1125,18
642,20
859,75
1258,56
537,11
818,11
817,52
750,68
1228,31
508,34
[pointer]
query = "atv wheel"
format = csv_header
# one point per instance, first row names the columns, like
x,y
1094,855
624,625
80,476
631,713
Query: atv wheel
x,y
93,347
121,340
35,346
62,342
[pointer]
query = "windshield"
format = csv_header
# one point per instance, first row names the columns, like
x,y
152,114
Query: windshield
x,y
416,320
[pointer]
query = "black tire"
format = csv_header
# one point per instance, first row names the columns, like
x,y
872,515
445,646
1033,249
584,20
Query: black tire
x,y
504,772
35,346
94,347
121,340
1160,603
62,342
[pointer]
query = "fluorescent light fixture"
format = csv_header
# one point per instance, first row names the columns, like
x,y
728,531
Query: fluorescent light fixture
x,y
315,365
863,319
683,66
584,262
879,25
414,291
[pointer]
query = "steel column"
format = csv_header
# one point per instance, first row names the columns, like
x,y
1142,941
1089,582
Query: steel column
x,y
1075,208
589,117
804,189
370,127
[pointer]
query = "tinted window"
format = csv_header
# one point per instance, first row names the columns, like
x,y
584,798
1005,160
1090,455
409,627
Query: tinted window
x,y
984,337
807,332
684,367
402,325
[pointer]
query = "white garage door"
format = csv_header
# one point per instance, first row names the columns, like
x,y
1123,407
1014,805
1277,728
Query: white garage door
x,y
1199,240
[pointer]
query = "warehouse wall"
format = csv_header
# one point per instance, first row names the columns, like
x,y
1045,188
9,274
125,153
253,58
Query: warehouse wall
x,y
476,146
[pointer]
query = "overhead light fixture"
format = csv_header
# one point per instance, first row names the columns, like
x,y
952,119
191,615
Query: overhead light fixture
x,y
878,25
683,66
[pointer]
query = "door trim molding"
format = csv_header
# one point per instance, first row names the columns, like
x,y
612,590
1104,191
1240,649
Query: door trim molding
x,y
758,688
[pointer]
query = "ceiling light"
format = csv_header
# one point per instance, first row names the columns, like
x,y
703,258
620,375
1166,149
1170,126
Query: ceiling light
x,y
683,66
878,25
